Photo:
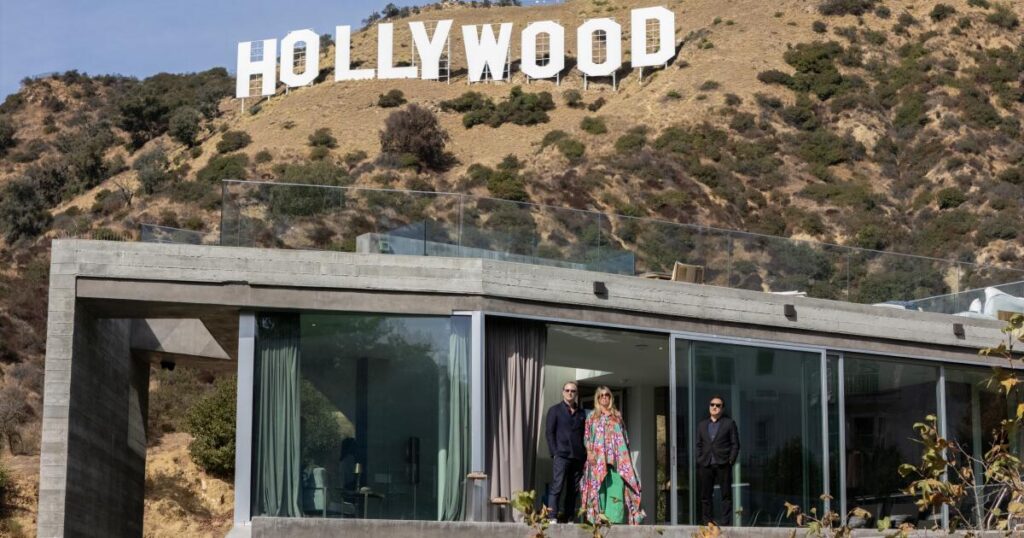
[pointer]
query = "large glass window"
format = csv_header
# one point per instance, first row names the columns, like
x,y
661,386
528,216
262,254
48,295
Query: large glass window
x,y
975,406
884,398
775,397
361,416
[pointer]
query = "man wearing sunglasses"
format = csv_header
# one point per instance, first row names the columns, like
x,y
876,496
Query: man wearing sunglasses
x,y
564,431
718,445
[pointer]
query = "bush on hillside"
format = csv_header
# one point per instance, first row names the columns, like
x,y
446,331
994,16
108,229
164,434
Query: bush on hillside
x,y
183,125
7,134
815,68
633,140
23,210
594,126
84,152
223,167
846,7
145,107
942,12
152,169
322,137
211,421
1003,17
519,107
415,130
950,197
573,98
392,99
233,141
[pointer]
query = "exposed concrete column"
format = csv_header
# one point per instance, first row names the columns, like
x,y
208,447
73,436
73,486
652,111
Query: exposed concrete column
x,y
102,445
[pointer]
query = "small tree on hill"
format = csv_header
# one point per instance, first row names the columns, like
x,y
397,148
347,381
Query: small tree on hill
x,y
184,125
152,169
211,421
415,130
7,132
23,211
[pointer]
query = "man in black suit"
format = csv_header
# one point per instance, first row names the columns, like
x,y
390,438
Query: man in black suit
x,y
564,429
718,445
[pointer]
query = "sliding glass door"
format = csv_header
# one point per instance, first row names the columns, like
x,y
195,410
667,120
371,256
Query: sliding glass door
x,y
775,396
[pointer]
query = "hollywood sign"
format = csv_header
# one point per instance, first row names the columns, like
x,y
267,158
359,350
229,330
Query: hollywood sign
x,y
485,51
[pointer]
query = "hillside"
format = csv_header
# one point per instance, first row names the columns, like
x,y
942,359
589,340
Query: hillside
x,y
891,125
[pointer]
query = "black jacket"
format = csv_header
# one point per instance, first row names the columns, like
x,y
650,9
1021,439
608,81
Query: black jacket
x,y
726,445
564,431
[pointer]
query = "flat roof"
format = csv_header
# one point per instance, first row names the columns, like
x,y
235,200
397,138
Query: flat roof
x,y
129,279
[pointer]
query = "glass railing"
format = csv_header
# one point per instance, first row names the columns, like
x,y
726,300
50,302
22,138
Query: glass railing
x,y
278,215
154,233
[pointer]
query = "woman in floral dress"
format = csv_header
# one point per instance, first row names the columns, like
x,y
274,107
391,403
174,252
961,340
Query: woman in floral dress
x,y
610,485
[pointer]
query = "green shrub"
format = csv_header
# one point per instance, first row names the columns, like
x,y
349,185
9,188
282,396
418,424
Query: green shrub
x,y
144,108
353,158
573,98
23,210
233,141
572,149
709,85
392,99
731,99
211,421
801,115
950,198
183,125
151,167
597,104
263,156
8,133
819,27
674,95
742,122
553,137
826,148
883,12
223,167
1013,175
594,126
32,150
322,137
632,141
815,68
507,185
415,130
466,102
999,226
984,4
843,194
846,7
942,12
1003,17
774,76
872,237
319,153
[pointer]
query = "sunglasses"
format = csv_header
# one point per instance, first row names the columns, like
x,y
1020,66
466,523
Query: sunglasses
x,y
716,405
570,391
604,395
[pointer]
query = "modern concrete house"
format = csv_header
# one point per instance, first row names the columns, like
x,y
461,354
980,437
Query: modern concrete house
x,y
370,385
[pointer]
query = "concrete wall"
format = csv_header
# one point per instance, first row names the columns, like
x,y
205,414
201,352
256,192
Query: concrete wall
x,y
105,438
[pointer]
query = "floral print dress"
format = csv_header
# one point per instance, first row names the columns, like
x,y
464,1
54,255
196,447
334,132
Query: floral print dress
x,y
608,452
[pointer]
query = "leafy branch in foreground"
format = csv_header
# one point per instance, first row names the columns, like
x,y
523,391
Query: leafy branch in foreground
x,y
951,475
829,524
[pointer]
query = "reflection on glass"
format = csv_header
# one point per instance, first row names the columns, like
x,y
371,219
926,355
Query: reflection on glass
x,y
383,411
774,395
884,398
974,409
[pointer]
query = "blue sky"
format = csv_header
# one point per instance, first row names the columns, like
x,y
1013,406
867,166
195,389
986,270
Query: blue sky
x,y
143,37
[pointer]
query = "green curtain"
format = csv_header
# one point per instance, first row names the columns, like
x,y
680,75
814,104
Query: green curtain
x,y
276,481
456,467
